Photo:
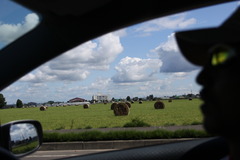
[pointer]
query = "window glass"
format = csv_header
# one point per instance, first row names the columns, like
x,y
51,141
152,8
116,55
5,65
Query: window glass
x,y
15,21
137,63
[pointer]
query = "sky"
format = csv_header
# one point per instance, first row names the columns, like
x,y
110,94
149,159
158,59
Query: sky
x,y
136,61
21,131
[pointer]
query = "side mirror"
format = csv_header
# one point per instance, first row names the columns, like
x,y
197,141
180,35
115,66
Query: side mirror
x,y
21,137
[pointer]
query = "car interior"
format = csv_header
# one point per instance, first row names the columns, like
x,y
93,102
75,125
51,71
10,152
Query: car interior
x,y
64,25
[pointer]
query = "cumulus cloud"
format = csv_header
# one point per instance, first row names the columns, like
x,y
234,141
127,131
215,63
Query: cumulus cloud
x,y
171,22
172,59
46,74
100,83
10,32
131,69
90,55
77,64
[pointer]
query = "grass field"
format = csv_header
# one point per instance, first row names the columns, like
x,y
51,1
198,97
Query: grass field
x,y
177,112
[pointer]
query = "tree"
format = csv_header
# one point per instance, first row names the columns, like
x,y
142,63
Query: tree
x,y
151,97
128,98
50,102
2,101
19,103
135,99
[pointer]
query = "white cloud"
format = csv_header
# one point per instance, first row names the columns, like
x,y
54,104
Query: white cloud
x,y
120,32
136,70
76,64
100,83
172,59
180,74
171,22
10,32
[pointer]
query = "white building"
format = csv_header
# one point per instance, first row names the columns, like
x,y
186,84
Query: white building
x,y
100,97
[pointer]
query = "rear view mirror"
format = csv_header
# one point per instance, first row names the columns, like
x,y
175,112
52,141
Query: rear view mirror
x,y
21,137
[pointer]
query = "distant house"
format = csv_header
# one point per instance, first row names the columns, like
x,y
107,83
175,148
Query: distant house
x,y
32,104
76,100
100,98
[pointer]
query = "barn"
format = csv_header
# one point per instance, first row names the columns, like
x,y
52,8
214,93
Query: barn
x,y
76,100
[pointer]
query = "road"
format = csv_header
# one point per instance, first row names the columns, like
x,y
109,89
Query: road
x,y
50,155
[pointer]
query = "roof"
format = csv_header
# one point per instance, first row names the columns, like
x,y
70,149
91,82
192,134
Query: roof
x,y
76,100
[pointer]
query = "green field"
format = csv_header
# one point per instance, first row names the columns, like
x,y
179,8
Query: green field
x,y
177,112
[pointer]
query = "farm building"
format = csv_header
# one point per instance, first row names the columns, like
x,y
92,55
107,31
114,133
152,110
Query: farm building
x,y
76,100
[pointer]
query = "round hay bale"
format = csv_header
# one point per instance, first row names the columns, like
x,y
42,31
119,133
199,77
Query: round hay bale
x,y
170,100
140,102
159,105
129,104
132,102
42,108
113,105
121,109
85,106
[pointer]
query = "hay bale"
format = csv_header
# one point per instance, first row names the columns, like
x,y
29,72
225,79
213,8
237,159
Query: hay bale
x,y
85,106
140,102
159,105
42,108
121,109
129,104
113,105
170,100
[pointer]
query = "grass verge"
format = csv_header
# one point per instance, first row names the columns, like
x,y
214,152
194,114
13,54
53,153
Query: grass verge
x,y
123,135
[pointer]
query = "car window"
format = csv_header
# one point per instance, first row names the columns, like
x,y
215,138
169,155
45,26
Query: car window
x,y
140,64
15,21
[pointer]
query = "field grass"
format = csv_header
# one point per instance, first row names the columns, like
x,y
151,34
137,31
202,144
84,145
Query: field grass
x,y
177,112
24,148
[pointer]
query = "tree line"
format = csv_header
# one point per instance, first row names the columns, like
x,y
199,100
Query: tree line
x,y
3,102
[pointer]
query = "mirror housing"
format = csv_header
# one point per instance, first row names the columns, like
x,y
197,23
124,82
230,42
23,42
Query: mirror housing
x,y
21,137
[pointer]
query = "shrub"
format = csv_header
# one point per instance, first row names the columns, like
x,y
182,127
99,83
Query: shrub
x,y
136,123
88,127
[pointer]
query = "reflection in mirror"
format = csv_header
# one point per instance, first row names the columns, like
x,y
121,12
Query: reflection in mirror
x,y
24,138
